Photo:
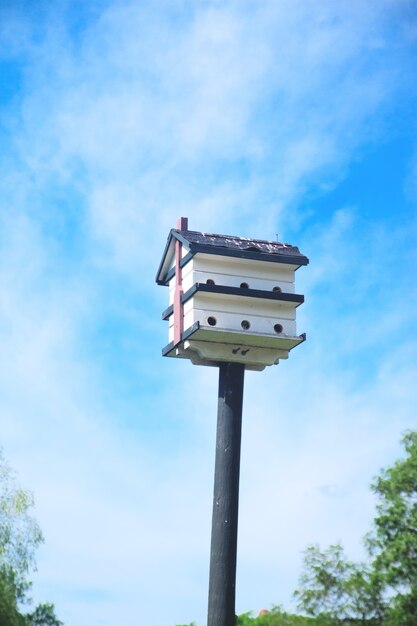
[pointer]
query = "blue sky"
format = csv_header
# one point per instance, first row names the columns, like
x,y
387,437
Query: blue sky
x,y
251,118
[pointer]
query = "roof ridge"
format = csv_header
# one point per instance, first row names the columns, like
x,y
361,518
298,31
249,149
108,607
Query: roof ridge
x,y
236,237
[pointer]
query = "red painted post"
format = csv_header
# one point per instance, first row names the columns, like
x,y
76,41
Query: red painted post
x,y
182,224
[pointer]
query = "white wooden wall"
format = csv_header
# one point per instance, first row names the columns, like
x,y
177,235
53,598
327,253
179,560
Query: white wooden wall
x,y
229,311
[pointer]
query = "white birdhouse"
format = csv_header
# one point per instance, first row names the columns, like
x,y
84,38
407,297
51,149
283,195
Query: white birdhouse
x,y
230,298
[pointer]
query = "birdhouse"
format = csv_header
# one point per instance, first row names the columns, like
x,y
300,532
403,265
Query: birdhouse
x,y
231,299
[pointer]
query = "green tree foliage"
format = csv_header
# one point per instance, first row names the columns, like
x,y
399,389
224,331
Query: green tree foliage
x,y
393,541
335,589
323,583
43,615
383,592
9,593
275,617
12,592
20,535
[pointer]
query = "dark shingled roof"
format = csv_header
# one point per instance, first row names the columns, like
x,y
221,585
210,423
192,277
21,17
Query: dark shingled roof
x,y
195,242
239,243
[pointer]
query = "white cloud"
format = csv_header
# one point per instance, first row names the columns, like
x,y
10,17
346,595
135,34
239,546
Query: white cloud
x,y
225,113
148,101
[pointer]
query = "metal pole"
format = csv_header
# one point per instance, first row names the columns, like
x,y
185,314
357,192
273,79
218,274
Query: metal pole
x,y
222,582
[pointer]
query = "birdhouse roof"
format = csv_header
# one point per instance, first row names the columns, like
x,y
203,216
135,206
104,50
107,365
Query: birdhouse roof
x,y
226,245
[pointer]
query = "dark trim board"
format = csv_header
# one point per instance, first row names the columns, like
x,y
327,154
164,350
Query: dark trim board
x,y
163,276
169,275
162,281
168,312
187,333
220,336
171,272
184,241
289,259
277,296
239,291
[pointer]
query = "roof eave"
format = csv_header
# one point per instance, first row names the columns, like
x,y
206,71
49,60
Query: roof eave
x,y
166,256
297,260
290,259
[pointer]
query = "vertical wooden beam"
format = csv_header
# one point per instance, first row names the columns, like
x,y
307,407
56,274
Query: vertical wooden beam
x,y
178,305
182,224
222,583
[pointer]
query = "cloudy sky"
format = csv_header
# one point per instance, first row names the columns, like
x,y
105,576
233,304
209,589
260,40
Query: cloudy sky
x,y
251,117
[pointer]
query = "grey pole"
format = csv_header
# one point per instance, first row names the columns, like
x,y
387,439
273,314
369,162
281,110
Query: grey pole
x,y
222,582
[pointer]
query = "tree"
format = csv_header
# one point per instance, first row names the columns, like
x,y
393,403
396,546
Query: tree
x,y
9,592
323,582
384,591
393,542
43,615
333,588
275,617
20,535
